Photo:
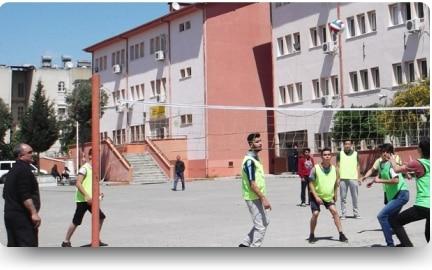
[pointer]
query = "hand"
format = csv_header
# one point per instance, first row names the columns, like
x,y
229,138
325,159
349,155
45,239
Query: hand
x,y
36,220
359,182
370,183
302,179
266,204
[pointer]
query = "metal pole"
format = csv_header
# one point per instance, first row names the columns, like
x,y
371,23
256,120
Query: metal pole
x,y
341,79
77,149
95,159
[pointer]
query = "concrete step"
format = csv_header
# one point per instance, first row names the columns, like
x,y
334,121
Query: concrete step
x,y
146,171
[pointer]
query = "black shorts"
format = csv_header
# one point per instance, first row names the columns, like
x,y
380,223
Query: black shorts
x,y
315,206
81,208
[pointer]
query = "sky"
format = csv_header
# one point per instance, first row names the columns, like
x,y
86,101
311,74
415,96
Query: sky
x,y
30,30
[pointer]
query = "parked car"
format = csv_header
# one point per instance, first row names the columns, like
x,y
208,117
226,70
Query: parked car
x,y
6,165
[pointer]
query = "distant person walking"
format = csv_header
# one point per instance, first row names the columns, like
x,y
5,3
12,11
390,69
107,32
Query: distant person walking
x,y
22,201
348,164
83,199
179,173
254,192
305,165
396,192
421,208
55,173
324,181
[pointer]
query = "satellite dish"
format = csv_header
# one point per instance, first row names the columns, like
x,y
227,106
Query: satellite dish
x,y
175,6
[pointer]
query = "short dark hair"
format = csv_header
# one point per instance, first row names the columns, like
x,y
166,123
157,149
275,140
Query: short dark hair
x,y
251,137
424,146
306,149
324,150
347,140
387,147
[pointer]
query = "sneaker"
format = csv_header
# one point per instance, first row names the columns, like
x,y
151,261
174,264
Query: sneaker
x,y
173,189
312,239
342,237
357,216
66,244
102,244
241,245
342,217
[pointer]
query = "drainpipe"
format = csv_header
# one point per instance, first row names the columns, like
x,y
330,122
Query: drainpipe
x,y
127,88
205,93
341,78
169,98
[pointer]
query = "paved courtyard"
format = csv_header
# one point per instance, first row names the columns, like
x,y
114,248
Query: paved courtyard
x,y
209,214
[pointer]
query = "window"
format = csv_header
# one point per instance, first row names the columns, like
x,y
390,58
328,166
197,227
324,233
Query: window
x,y
158,44
152,46
21,92
422,66
61,111
372,20
142,90
20,112
181,27
122,57
136,48
282,95
316,87
296,44
394,14
299,90
141,49
361,23
364,78
351,27
375,77
105,61
419,10
61,87
185,73
397,72
131,53
289,43
354,81
132,92
325,87
323,33
314,37
186,119
117,57
291,93
187,25
335,85
123,94
406,11
318,143
123,136
113,59
410,72
281,49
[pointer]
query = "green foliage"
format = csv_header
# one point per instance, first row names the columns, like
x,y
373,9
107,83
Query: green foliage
x,y
79,110
39,127
5,120
356,125
410,122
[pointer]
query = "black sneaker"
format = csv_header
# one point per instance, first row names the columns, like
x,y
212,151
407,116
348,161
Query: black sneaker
x,y
241,245
342,237
102,244
312,239
66,244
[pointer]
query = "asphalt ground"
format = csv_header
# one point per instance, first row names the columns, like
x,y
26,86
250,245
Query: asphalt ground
x,y
210,214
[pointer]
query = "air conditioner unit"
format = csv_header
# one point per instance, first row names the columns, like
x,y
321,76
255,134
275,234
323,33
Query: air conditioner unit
x,y
329,47
326,101
116,69
413,25
119,106
159,55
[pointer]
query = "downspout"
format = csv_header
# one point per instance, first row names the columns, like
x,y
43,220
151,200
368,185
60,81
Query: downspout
x,y
341,78
127,89
169,99
205,92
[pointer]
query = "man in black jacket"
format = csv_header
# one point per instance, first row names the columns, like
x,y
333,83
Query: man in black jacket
x,y
179,173
22,201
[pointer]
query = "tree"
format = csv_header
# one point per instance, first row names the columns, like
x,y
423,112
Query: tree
x,y
356,125
414,123
39,127
5,125
79,110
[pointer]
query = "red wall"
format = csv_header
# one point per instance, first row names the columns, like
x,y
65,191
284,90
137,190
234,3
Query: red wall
x,y
239,73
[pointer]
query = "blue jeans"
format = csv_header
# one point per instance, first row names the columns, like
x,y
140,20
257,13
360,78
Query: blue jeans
x,y
390,212
179,176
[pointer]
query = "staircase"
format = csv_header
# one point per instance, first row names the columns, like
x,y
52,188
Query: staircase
x,y
145,169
